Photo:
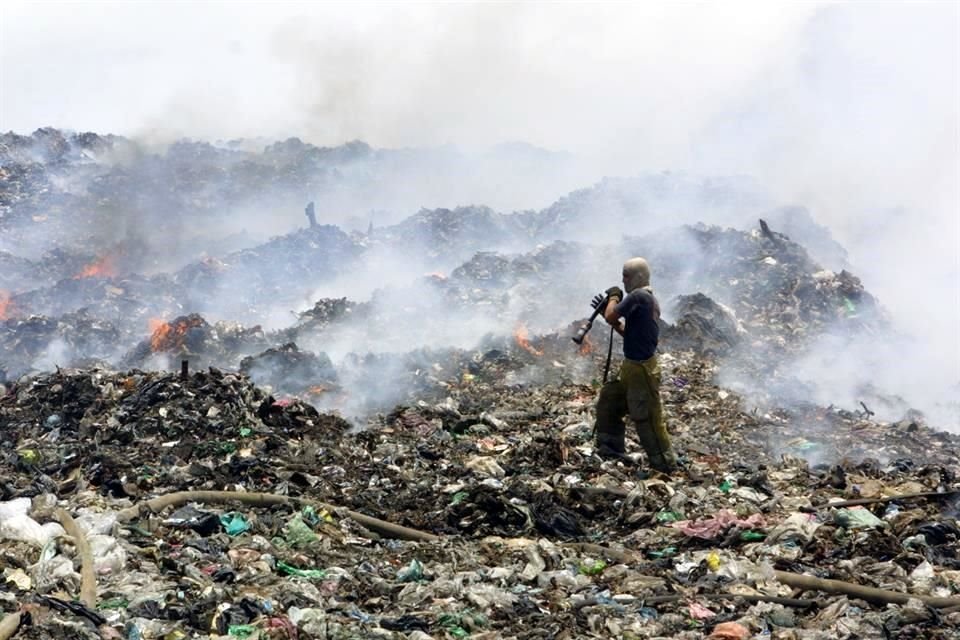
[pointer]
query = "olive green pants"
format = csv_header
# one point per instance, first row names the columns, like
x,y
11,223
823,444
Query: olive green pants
x,y
635,392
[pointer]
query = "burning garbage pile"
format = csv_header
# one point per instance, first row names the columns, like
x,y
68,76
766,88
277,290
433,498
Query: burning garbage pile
x,y
484,515
177,462
291,369
778,295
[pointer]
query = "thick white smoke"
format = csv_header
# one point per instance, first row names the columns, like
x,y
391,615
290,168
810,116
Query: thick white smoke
x,y
850,110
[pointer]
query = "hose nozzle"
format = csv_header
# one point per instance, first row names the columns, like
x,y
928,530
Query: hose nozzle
x,y
582,333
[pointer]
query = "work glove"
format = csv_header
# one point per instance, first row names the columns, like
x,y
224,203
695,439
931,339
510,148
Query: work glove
x,y
615,293
598,300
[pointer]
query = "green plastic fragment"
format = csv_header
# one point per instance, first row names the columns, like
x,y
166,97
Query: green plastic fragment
x,y
459,497
668,516
298,533
666,552
309,516
413,572
245,431
752,536
448,620
309,574
725,486
234,523
458,624
140,531
593,569
241,630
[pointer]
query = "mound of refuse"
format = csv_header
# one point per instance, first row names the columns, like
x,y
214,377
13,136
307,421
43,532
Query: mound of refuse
x,y
206,432
200,506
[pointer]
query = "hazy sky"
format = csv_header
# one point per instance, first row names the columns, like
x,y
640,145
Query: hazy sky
x,y
577,76
848,108
798,91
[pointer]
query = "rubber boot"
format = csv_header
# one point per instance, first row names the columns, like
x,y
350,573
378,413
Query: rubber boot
x,y
610,429
662,458
611,446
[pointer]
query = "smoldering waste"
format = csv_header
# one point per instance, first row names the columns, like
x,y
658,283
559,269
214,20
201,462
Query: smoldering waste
x,y
463,499
525,533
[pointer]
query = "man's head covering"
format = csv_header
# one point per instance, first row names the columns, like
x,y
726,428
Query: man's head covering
x,y
636,274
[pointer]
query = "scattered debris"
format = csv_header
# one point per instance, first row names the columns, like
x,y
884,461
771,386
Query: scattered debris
x,y
168,476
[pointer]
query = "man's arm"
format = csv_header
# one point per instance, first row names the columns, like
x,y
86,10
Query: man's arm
x,y
612,317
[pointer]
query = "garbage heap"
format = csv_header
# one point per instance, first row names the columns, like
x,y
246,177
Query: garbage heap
x,y
154,505
141,498
754,296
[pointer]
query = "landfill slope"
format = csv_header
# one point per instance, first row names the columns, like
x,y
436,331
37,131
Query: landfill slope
x,y
172,469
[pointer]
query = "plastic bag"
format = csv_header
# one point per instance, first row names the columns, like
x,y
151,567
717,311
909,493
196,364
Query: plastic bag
x,y
310,574
857,518
297,533
234,523
108,555
922,578
413,572
15,524
96,522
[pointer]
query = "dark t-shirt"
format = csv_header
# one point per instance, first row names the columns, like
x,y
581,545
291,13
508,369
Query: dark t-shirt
x,y
640,311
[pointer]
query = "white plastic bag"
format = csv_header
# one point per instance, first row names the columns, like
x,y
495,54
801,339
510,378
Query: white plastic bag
x,y
15,524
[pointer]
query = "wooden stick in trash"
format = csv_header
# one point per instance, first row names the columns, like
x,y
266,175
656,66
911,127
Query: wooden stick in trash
x,y
9,626
269,499
906,496
870,594
88,579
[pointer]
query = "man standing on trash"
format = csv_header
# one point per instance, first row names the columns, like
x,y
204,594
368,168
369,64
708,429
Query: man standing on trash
x,y
636,391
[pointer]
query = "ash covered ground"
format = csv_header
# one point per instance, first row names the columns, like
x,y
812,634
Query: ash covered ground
x,y
181,320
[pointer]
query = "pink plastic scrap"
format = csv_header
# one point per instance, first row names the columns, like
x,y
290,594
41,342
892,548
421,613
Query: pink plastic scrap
x,y
700,612
716,525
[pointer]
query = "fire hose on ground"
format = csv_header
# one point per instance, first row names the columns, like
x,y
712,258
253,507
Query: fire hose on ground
x,y
88,579
11,623
809,583
88,590
9,626
382,527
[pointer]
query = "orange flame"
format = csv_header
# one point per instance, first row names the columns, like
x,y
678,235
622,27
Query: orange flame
x,y
159,330
585,347
99,268
169,337
520,335
6,306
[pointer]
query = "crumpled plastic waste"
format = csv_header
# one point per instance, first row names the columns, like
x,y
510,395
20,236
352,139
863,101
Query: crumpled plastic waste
x,y
488,447
857,518
234,523
16,525
716,525
798,528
